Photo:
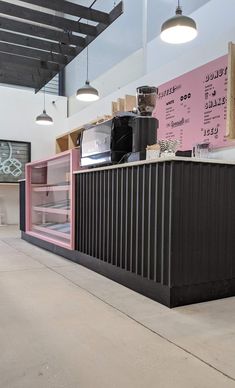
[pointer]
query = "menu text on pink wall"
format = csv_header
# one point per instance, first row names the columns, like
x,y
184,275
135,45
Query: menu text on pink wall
x,y
192,108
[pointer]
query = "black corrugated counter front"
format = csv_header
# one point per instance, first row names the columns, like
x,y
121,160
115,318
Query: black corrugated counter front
x,y
164,228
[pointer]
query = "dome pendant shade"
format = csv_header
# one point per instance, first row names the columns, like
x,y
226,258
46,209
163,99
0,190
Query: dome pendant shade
x,y
87,93
44,119
178,29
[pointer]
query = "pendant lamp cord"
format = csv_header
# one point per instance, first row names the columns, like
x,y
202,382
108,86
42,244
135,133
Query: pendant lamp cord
x,y
93,3
87,64
178,9
44,98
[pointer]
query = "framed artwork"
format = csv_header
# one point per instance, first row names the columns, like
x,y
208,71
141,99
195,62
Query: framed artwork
x,y
13,157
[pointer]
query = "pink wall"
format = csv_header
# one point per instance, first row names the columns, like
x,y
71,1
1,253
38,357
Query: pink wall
x,y
192,108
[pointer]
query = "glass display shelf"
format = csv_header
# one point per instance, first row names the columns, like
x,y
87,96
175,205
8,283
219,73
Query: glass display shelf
x,y
50,199
62,187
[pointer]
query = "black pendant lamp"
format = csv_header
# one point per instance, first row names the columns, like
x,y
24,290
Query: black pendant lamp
x,y
44,118
178,29
87,92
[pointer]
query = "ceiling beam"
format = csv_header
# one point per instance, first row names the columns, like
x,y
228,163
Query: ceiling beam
x,y
41,32
51,47
39,53
33,75
114,14
33,63
47,19
69,8
10,78
31,53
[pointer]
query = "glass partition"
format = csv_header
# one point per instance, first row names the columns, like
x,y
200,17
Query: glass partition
x,y
50,199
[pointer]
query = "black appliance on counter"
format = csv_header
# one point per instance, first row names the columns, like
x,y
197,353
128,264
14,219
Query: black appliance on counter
x,y
106,143
144,126
125,137
122,139
144,133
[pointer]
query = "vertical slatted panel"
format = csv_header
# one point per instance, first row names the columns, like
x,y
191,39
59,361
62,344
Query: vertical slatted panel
x,y
117,223
169,222
131,212
160,223
162,226
109,216
148,218
78,214
122,218
147,222
22,205
104,218
87,208
126,229
93,215
112,223
137,204
203,216
142,239
155,219
83,212
122,215
166,223
96,214
100,211
90,215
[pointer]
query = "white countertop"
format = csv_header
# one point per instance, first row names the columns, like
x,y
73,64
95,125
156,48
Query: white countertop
x,y
158,160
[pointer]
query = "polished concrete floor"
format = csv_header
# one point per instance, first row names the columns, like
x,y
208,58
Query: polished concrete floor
x,y
63,326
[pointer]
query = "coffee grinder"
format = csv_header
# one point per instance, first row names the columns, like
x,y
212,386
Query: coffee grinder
x,y
144,126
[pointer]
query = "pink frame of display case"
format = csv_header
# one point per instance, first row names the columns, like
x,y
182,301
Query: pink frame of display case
x,y
74,165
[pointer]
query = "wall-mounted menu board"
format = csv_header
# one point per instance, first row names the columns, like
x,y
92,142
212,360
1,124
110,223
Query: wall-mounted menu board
x,y
193,107
13,157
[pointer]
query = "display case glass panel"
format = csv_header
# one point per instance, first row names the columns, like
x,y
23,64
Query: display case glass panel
x,y
50,204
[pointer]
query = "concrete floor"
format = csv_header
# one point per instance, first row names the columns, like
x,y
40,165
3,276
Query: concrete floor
x,y
63,326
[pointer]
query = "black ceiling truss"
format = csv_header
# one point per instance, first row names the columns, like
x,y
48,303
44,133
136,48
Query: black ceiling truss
x,y
36,45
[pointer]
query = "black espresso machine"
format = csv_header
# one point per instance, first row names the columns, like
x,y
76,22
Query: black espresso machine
x,y
121,139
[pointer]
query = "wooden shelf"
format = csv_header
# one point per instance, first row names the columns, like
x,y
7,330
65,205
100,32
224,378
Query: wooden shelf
x,y
126,104
100,120
73,138
62,144
69,140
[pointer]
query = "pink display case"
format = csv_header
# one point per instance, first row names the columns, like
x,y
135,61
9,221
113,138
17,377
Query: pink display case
x,y
50,198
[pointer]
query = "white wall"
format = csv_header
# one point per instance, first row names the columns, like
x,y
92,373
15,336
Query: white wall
x,y
9,204
18,110
116,78
164,62
122,38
